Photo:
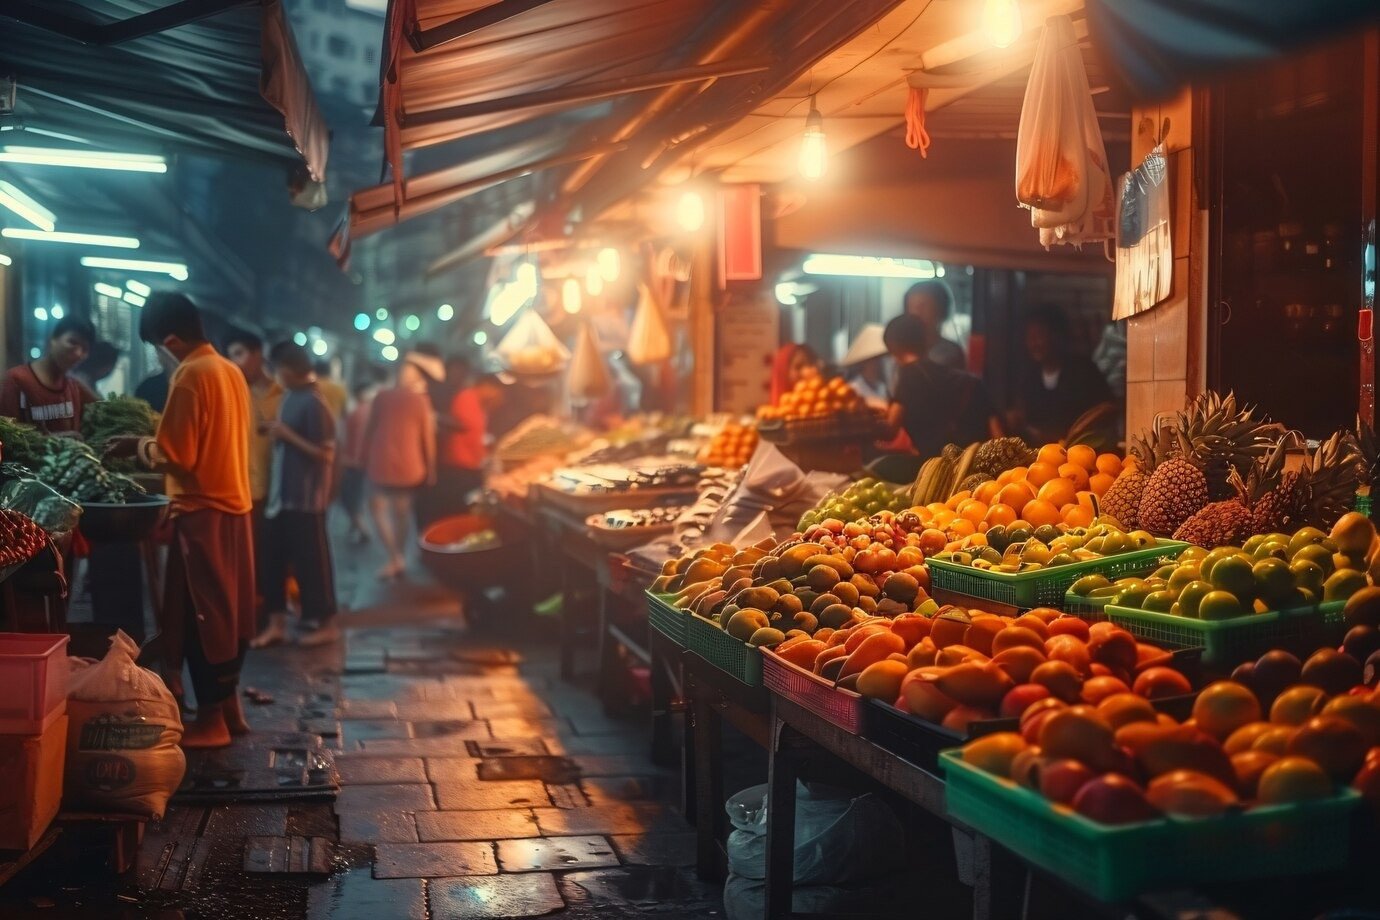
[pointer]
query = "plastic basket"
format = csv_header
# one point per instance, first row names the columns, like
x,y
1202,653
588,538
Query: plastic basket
x,y
671,622
33,681
1092,609
1227,643
1113,862
918,740
1044,587
821,429
735,658
843,708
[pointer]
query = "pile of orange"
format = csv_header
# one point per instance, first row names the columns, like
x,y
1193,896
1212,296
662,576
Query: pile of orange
x,y
815,397
1058,488
731,447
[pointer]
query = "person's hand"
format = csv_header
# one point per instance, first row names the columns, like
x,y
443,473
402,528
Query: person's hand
x,y
121,447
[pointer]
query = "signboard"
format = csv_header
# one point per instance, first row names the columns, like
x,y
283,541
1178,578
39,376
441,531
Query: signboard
x,y
749,332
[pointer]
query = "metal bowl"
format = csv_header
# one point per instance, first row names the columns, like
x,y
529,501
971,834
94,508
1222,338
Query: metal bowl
x,y
122,522
457,567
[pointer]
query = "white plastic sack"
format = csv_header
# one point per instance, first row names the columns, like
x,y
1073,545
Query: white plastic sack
x,y
1061,162
531,348
649,341
1144,250
774,485
123,730
589,376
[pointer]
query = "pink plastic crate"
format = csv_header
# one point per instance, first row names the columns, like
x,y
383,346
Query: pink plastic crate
x,y
33,681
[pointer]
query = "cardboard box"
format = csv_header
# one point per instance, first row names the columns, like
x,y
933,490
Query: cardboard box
x,y
31,770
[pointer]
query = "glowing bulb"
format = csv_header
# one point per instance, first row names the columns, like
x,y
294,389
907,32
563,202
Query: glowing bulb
x,y
381,314
300,338
361,321
1002,20
445,312
413,322
40,314
594,282
56,312
526,279
318,347
814,148
690,211
389,352
570,296
384,336
35,352
481,337
610,263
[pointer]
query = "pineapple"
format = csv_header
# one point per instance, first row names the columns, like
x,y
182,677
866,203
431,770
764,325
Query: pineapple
x,y
1224,523
1175,490
1222,437
1272,493
1001,454
1328,480
1368,470
1122,500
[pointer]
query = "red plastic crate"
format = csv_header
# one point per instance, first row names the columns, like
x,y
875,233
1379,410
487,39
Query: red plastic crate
x,y
33,681
844,708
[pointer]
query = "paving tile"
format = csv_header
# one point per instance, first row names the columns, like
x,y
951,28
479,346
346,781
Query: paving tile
x,y
355,894
238,821
547,854
453,769
410,797
608,819
493,824
433,860
614,789
481,796
357,731
502,709
381,770
448,728
567,795
617,765
663,889
512,747
367,709
377,827
384,687
494,897
325,727
655,849
546,769
634,744
434,710
517,728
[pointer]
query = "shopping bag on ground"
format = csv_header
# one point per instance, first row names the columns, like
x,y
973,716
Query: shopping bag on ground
x,y
123,733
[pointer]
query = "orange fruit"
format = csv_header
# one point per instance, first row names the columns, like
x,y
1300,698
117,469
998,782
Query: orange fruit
x,y
1000,514
1041,473
1076,515
1084,456
1100,483
960,496
978,539
942,519
1005,477
1109,464
962,527
1019,473
1040,512
1058,492
1016,495
972,510
1076,474
1053,453
936,507
987,492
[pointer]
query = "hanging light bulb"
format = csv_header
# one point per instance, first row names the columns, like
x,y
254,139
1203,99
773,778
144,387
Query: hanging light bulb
x,y
594,282
1002,21
570,296
814,148
690,211
609,263
526,279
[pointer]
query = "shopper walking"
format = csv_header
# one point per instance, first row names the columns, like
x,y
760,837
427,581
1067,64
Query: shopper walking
x,y
400,458
352,459
299,490
202,445
463,430
43,392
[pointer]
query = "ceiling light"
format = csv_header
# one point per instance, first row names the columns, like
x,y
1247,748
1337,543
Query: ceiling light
x,y
35,352
57,236
1002,21
132,298
413,322
690,211
109,290
814,148
57,312
384,336
381,314
389,352
867,266
610,263
570,296
361,321
139,287
13,198
445,312
594,282
176,270
5,260
84,159
40,314
319,347
481,337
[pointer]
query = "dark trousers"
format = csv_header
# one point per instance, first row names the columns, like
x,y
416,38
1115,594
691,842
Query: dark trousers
x,y
257,521
114,572
295,542
212,683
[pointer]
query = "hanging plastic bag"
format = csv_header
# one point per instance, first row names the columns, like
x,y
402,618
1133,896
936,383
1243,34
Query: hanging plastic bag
x,y
122,735
531,349
589,376
1144,250
649,341
1061,162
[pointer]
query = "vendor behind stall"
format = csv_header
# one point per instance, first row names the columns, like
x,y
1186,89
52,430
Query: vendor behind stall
x,y
935,405
788,367
865,366
1059,386
43,392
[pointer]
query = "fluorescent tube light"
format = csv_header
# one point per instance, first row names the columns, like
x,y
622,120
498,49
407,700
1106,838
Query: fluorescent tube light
x,y
867,266
175,269
59,236
109,290
84,159
5,260
132,298
139,287
14,198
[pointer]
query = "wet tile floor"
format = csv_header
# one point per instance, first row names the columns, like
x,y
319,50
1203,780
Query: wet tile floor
x,y
475,783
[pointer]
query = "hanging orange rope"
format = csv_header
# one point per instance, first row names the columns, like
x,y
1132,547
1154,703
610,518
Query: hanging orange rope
x,y
917,138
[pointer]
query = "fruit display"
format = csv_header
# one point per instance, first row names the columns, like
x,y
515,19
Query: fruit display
x,y
939,477
815,397
731,446
20,538
859,500
1266,572
73,469
1020,548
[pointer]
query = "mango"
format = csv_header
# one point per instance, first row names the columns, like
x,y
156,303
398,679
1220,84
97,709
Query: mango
x,y
757,598
874,648
972,684
844,570
801,654
835,616
766,636
881,680
745,622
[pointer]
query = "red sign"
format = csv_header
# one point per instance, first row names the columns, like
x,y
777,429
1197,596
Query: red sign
x,y
740,233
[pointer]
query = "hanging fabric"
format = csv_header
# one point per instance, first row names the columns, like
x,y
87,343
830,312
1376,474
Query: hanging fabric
x,y
1061,162
1144,251
649,341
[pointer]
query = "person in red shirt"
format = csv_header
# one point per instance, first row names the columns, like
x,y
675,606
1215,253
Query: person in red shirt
x,y
464,429
399,457
42,392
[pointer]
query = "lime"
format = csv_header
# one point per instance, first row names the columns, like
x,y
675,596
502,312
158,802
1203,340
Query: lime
x,y
1133,597
1233,574
1313,552
1253,543
1182,575
1159,601
1305,536
1342,584
1308,574
1088,584
1193,554
1191,597
1273,581
1272,549
1212,558
1220,605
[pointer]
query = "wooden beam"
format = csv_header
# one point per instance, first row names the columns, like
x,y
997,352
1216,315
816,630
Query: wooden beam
x,y
85,32
468,24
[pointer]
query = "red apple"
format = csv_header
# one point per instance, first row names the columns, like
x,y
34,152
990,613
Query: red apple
x,y
1060,780
1021,697
1113,799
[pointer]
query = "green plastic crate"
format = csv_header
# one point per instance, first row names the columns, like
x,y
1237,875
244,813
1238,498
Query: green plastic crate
x,y
1092,609
1227,643
1113,862
1044,587
670,621
735,658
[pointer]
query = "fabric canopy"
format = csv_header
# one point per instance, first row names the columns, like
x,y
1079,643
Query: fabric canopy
x,y
231,84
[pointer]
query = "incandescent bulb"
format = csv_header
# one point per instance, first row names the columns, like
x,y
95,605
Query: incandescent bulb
x,y
1002,21
609,263
570,296
814,148
690,211
594,282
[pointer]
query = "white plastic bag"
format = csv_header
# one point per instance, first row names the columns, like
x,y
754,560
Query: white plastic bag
x,y
1061,162
773,485
649,341
122,736
1144,250
589,376
531,349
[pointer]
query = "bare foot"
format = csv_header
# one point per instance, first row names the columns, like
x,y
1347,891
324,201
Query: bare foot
x,y
208,731
233,711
